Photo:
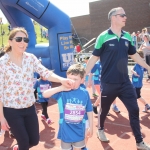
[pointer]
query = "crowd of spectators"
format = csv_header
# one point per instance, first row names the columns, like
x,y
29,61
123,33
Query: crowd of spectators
x,y
138,37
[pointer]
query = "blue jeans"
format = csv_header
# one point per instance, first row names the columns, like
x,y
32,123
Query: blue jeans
x,y
24,125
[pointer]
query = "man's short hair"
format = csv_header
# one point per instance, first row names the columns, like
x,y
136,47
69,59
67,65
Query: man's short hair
x,y
113,12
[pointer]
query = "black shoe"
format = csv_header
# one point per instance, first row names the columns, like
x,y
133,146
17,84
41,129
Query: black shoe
x,y
95,109
108,114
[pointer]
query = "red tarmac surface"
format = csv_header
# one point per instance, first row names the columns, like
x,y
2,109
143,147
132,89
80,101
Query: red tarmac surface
x,y
117,128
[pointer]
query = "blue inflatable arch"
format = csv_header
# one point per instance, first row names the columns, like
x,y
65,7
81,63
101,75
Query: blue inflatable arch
x,y
58,54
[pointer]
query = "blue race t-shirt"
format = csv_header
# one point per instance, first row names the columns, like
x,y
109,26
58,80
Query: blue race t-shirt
x,y
96,71
73,106
41,86
137,81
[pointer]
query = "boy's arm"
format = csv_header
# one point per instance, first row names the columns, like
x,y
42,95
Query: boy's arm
x,y
134,72
48,93
90,118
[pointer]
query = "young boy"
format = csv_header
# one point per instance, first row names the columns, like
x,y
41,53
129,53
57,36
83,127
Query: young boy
x,y
137,78
41,85
73,106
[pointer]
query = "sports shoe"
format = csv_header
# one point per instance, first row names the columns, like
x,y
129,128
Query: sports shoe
x,y
43,118
15,147
84,148
38,102
101,136
94,109
115,109
94,95
11,134
146,108
108,114
142,146
49,122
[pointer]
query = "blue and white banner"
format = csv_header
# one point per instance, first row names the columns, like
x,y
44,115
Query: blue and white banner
x,y
66,49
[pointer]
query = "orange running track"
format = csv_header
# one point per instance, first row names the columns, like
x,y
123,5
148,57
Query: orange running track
x,y
117,128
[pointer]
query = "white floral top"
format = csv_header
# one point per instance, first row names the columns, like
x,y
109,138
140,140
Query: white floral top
x,y
16,83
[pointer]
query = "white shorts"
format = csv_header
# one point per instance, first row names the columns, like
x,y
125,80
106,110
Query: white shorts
x,y
87,124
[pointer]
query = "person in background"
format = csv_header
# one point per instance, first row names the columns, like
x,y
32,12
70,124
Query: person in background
x,y
88,79
17,110
138,37
112,47
137,78
78,48
145,47
75,107
41,85
134,39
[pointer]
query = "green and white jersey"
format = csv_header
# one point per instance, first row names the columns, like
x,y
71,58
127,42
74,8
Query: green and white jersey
x,y
113,52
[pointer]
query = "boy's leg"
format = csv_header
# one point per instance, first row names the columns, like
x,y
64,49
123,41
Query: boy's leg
x,y
142,100
114,107
78,145
44,107
66,146
97,102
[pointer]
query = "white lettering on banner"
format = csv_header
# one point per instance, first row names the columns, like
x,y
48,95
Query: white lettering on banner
x,y
65,43
68,57
67,64
63,38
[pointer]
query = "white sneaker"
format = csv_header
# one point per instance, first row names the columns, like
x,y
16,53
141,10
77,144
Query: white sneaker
x,y
142,146
115,109
101,136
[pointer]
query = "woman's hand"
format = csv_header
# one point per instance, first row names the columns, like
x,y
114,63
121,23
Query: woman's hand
x,y
4,124
68,83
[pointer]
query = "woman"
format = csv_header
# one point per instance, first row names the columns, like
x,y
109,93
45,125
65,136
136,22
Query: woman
x,y
145,47
17,111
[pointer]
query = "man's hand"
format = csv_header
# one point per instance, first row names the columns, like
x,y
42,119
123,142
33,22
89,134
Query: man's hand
x,y
148,69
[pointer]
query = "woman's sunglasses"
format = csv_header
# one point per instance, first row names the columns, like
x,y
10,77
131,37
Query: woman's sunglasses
x,y
19,39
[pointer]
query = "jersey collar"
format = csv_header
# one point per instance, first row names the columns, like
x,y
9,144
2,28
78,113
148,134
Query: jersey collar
x,y
110,32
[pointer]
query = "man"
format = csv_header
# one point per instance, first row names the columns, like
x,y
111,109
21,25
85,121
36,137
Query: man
x,y
112,48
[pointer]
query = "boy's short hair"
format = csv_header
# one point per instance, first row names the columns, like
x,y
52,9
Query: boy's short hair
x,y
76,69
140,52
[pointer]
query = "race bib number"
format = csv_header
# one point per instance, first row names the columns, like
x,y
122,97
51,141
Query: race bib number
x,y
74,113
44,87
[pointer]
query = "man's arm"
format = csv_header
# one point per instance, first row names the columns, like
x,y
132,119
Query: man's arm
x,y
136,57
91,62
